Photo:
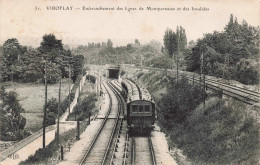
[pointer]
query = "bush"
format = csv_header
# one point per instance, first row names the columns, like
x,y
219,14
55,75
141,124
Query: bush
x,y
91,78
218,134
179,102
50,118
82,109
52,105
224,132
247,72
11,121
40,154
50,154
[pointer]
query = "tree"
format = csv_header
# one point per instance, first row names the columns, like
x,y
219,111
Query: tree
x,y
247,71
182,39
129,47
109,43
12,50
63,61
50,43
103,45
11,53
57,58
170,42
11,104
137,42
77,66
3,67
30,66
179,102
12,122
225,50
175,43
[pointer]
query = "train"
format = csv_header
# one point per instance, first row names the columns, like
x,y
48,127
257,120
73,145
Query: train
x,y
140,108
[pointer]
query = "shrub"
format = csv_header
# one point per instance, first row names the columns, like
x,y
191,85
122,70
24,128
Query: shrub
x,y
40,154
179,102
91,78
50,154
218,134
82,109
50,118
52,105
11,121
247,72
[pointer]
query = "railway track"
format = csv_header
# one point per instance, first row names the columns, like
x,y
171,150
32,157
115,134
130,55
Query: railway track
x,y
99,148
121,142
142,151
242,94
141,148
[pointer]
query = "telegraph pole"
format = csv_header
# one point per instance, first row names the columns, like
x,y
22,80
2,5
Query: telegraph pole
x,y
76,115
177,70
13,74
45,105
100,78
201,67
58,123
69,88
203,79
178,51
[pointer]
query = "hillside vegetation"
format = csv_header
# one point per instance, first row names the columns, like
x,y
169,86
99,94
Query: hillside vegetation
x,y
230,54
133,53
225,131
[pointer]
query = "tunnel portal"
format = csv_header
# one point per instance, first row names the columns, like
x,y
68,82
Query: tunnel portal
x,y
113,71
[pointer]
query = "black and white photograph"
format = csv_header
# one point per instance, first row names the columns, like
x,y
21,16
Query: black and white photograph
x,y
129,82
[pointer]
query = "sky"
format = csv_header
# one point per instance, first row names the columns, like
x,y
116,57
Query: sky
x,y
20,19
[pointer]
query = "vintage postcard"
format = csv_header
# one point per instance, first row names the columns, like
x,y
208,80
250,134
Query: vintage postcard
x,y
170,82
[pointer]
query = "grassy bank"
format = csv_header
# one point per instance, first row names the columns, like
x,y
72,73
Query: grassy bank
x,y
86,103
224,131
31,98
51,154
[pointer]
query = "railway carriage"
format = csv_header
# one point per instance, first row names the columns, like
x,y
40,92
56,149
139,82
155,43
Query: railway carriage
x,y
140,108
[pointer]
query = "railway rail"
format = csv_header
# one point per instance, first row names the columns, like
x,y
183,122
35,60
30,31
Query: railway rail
x,y
245,95
98,150
126,149
122,158
142,151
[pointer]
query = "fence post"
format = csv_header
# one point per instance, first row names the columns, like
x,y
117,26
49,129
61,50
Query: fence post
x,y
78,131
193,80
89,113
61,152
